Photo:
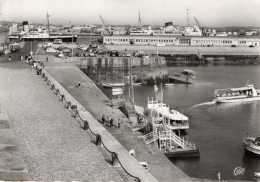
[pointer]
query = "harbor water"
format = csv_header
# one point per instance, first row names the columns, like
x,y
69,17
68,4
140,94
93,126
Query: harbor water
x,y
217,129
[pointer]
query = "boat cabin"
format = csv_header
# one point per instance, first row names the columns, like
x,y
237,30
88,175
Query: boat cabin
x,y
246,91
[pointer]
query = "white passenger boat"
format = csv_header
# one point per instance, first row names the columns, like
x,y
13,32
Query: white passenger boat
x,y
257,175
110,85
243,94
172,118
252,144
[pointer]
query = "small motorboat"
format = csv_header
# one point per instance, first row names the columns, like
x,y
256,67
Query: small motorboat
x,y
188,72
257,174
252,144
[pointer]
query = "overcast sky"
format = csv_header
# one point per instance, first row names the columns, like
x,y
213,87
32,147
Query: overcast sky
x,y
153,12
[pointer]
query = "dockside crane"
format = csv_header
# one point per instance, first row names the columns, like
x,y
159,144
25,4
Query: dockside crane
x,y
104,24
199,25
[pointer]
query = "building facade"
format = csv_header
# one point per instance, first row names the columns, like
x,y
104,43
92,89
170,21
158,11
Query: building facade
x,y
4,38
167,40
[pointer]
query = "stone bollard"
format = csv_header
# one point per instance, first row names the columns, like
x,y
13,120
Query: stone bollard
x,y
114,159
74,111
56,91
85,125
61,97
67,105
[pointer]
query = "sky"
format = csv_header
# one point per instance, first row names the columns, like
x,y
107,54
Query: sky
x,y
210,13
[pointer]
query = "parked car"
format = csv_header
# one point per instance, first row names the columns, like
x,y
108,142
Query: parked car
x,y
251,46
85,54
2,53
126,55
47,44
60,55
61,48
82,47
233,45
67,50
93,45
100,52
113,53
50,49
92,54
78,54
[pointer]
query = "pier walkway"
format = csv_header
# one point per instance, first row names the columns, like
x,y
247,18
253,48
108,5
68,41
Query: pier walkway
x,y
53,145
92,99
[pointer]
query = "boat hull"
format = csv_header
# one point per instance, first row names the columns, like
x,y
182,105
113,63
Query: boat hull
x,y
247,99
251,148
110,85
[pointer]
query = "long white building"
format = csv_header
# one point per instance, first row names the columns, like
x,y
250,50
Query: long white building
x,y
168,40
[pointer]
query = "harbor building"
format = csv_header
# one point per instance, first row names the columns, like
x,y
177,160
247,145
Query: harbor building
x,y
4,37
162,40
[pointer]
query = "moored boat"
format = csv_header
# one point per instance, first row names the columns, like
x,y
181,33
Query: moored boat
x,y
252,144
110,85
173,119
242,94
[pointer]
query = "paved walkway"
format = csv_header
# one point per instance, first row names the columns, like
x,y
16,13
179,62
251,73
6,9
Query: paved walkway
x,y
53,145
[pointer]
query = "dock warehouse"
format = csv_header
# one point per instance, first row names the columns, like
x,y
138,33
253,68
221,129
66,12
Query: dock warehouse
x,y
168,40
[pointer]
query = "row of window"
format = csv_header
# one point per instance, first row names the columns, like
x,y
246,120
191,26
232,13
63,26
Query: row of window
x,y
140,40
182,41
213,41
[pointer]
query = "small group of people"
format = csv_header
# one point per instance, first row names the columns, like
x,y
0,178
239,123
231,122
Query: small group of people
x,y
110,120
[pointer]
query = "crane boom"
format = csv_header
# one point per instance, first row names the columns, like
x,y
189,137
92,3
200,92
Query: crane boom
x,y
103,22
197,21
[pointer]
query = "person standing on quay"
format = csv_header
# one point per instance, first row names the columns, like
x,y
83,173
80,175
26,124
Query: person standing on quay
x,y
103,119
9,59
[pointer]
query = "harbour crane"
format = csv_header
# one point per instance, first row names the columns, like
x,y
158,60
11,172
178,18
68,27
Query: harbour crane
x,y
197,21
104,24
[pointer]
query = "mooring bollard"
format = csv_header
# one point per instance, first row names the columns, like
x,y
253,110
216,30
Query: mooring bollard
x,y
74,111
85,125
98,139
62,97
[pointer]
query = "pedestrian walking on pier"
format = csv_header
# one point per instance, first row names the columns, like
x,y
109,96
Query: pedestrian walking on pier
x,y
103,119
9,59
47,59
110,120
79,83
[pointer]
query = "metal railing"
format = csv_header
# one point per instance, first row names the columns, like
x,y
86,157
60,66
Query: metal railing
x,y
75,113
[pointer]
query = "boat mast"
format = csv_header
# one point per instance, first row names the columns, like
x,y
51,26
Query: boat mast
x,y
131,82
48,23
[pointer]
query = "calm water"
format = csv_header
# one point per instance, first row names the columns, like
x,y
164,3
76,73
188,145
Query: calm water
x,y
216,129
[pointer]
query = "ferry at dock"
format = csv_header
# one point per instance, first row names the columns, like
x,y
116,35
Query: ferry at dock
x,y
252,145
242,94
173,119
